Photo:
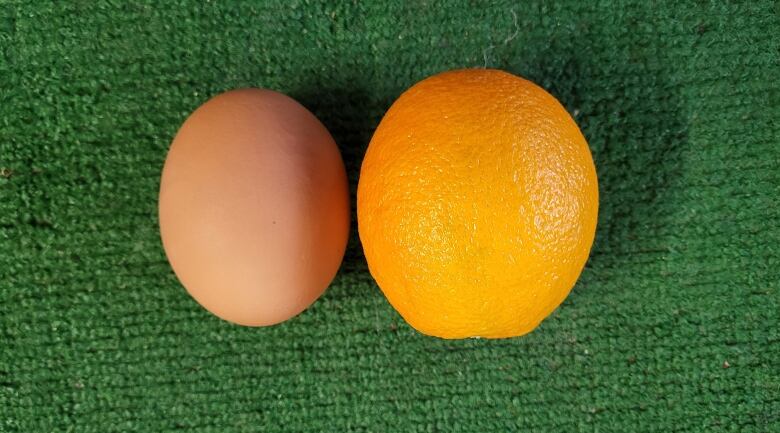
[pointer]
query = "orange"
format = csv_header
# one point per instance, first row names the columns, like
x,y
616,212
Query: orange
x,y
477,204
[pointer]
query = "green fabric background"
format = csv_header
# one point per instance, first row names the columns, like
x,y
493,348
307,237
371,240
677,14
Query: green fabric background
x,y
673,325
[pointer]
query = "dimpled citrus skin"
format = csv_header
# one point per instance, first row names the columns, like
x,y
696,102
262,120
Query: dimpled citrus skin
x,y
477,204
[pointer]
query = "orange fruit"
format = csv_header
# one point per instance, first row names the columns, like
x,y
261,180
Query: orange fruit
x,y
477,204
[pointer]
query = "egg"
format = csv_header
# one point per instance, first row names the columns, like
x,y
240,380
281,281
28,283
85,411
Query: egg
x,y
254,207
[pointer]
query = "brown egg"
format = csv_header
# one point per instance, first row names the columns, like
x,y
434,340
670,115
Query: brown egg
x,y
254,207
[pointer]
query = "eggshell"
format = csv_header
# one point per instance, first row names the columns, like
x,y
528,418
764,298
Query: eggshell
x,y
254,207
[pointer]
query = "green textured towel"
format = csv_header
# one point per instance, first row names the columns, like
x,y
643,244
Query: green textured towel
x,y
673,325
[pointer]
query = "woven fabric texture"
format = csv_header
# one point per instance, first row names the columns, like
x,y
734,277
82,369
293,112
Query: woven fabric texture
x,y
673,325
